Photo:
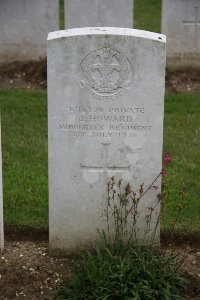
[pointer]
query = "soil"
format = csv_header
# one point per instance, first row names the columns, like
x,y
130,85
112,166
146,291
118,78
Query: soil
x,y
33,76
28,272
26,269
24,75
183,81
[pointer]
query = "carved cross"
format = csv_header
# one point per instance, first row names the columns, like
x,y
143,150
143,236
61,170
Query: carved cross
x,y
105,168
195,23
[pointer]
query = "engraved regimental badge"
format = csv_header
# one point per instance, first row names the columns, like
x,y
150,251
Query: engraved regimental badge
x,y
106,74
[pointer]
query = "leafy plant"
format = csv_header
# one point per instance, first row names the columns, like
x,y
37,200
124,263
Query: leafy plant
x,y
124,268
121,272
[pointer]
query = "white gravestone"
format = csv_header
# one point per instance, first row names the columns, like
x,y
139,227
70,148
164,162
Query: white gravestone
x,y
24,27
105,118
109,13
181,25
1,200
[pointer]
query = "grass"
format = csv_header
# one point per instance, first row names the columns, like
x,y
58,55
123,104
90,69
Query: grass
x,y
182,139
62,15
24,137
147,15
24,126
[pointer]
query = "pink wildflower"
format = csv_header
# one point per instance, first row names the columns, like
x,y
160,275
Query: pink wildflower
x,y
167,158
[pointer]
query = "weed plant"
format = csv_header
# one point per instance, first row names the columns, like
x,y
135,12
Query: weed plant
x,y
120,272
124,268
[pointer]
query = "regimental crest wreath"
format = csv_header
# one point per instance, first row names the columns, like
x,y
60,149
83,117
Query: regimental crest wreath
x,y
106,74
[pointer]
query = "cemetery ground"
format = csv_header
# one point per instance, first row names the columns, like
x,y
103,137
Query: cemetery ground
x,y
26,270
33,76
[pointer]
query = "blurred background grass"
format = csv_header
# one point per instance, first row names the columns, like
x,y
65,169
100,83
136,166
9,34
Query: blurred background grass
x,y
24,137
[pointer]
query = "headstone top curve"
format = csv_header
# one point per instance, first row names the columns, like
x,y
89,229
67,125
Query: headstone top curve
x,y
106,31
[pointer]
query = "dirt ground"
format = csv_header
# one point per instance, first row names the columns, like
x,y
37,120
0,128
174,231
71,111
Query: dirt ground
x,y
33,76
26,270
27,75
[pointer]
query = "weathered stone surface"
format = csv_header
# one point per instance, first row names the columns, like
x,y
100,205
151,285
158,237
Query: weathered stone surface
x,y
24,27
87,13
105,110
1,199
181,24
